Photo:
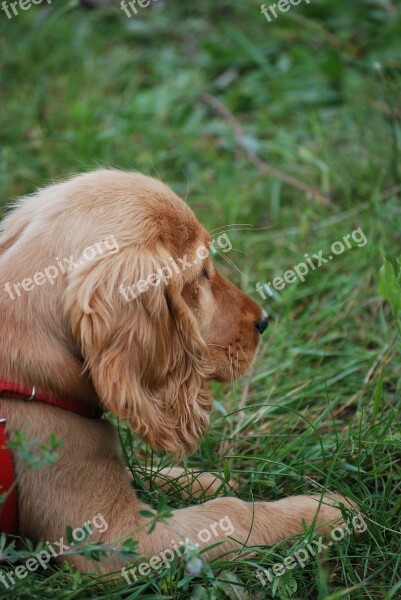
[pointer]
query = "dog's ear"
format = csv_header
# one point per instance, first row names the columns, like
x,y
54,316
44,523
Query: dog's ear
x,y
145,355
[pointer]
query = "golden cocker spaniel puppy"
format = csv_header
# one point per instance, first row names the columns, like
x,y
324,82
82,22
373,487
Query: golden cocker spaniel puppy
x,y
107,301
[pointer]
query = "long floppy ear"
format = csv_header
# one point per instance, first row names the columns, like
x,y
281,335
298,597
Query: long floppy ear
x,y
145,355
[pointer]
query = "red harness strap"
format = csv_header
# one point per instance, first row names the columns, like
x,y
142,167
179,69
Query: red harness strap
x,y
12,390
8,511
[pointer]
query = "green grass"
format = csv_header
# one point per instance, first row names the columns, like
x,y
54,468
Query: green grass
x,y
316,93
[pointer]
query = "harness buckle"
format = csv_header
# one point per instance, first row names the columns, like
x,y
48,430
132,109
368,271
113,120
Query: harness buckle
x,y
33,394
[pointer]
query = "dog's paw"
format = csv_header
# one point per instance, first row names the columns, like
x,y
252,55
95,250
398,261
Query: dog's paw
x,y
321,512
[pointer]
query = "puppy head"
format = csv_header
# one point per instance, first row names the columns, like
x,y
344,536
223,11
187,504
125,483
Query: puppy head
x,y
155,320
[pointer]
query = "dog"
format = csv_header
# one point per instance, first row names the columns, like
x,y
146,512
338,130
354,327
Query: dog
x,y
71,331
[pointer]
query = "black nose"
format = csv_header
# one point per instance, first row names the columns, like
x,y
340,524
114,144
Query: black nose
x,y
263,323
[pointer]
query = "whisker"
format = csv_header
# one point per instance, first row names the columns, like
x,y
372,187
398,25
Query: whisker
x,y
232,264
230,363
236,250
248,362
155,170
186,194
243,228
237,372
231,225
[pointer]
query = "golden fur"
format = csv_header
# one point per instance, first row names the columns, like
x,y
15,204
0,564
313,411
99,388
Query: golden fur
x,y
147,360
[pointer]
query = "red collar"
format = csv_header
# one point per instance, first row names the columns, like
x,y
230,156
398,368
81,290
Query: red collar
x,y
12,390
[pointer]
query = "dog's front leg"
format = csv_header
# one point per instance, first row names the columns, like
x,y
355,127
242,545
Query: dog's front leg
x,y
89,487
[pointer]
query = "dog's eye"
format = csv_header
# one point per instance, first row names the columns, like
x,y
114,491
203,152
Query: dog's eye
x,y
204,274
